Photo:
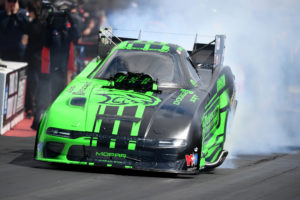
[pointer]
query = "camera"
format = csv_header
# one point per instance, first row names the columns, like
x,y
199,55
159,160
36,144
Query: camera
x,y
56,14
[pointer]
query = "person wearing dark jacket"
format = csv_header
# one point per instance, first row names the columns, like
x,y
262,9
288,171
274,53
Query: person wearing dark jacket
x,y
13,21
57,59
33,54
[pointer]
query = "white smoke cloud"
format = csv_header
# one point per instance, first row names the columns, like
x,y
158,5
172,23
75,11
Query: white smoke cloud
x,y
262,47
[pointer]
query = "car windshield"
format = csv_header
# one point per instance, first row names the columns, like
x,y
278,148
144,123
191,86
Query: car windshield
x,y
162,67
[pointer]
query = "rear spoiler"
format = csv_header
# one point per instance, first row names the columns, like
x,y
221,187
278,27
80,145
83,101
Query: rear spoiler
x,y
208,55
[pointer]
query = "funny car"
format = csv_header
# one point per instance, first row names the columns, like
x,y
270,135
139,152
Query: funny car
x,y
150,106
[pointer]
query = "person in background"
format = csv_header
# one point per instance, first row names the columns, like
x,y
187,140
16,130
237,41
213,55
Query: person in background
x,y
33,55
57,58
13,21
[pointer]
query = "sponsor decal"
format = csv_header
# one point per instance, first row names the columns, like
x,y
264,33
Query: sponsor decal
x,y
194,98
70,90
211,119
181,96
191,160
110,154
81,91
115,98
110,161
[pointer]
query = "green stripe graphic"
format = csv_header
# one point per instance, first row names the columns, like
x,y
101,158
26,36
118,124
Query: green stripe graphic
x,y
112,144
131,145
117,122
99,122
136,126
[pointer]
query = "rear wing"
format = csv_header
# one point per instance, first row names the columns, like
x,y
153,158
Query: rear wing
x,y
208,55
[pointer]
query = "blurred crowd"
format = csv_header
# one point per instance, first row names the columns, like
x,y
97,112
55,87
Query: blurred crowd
x,y
52,42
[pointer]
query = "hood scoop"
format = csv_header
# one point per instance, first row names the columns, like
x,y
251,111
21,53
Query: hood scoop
x,y
78,101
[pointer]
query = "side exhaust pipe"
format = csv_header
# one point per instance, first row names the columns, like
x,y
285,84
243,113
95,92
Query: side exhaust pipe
x,y
218,162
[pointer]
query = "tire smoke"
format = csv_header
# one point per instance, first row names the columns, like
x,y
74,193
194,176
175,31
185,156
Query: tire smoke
x,y
262,47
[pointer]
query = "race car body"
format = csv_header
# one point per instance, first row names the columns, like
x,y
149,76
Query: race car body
x,y
146,106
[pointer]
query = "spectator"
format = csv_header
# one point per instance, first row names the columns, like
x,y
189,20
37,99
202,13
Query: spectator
x,y
13,21
33,55
59,34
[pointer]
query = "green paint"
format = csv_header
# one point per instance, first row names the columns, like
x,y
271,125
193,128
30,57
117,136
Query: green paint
x,y
216,101
140,111
210,120
221,83
81,88
135,128
117,122
210,152
224,99
179,49
120,79
214,123
112,144
181,96
202,162
130,46
194,98
147,47
212,99
193,83
165,49
216,155
66,161
132,145
136,125
155,86
99,122
123,45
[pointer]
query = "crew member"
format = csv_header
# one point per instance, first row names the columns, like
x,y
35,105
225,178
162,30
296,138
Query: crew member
x,y
60,33
13,21
33,56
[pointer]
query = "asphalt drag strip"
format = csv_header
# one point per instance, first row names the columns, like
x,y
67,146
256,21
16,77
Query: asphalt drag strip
x,y
275,176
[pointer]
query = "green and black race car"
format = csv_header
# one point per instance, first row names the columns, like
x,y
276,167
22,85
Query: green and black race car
x,y
146,106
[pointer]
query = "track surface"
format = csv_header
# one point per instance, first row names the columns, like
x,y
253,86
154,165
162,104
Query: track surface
x,y
275,176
